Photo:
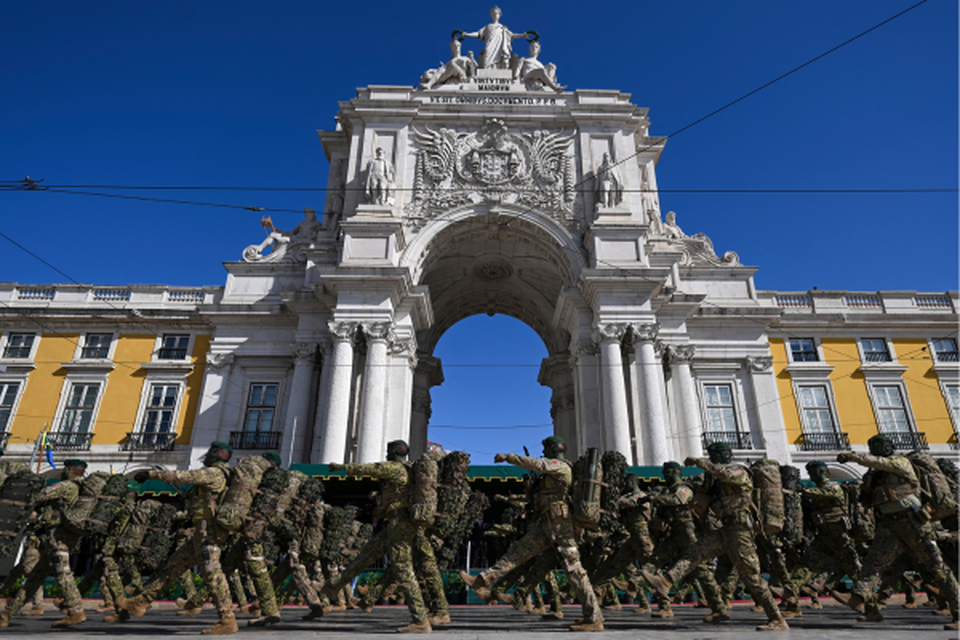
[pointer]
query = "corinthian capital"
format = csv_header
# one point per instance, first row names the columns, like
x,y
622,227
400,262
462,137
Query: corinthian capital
x,y
759,364
304,352
610,331
378,330
680,353
645,332
218,361
343,331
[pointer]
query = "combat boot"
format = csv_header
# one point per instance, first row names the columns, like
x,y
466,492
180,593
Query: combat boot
x,y
587,626
70,620
474,582
665,611
263,621
660,585
871,614
190,611
317,612
778,624
417,627
4,620
120,616
436,621
225,626
137,605
553,615
951,626
38,611
852,600
717,616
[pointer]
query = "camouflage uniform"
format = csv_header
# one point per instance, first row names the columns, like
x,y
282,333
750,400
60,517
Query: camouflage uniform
x,y
56,543
732,486
202,548
554,530
28,560
900,528
394,540
831,545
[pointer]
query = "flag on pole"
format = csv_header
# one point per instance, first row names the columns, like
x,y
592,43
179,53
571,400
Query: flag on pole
x,y
48,449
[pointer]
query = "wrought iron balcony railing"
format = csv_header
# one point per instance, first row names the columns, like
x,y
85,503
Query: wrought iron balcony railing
x,y
908,440
255,439
69,440
825,442
3,440
735,439
148,441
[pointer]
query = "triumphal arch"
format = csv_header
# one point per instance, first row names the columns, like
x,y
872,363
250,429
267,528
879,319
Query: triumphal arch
x,y
489,188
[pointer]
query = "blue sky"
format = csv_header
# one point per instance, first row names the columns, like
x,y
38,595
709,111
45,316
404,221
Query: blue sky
x,y
227,94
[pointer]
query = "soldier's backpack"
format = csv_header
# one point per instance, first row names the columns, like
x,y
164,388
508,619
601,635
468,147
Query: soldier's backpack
x,y
108,507
334,523
863,522
17,494
615,468
953,477
266,502
585,492
157,539
422,494
792,533
244,480
452,492
311,541
295,516
938,497
768,495
76,515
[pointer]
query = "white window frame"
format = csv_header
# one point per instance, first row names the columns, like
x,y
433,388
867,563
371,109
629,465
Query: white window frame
x,y
247,407
67,390
711,374
816,349
146,393
158,345
891,355
953,404
21,383
904,398
937,363
5,341
831,406
82,344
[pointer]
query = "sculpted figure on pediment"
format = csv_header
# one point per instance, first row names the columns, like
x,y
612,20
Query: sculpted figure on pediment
x,y
287,246
697,249
458,70
534,73
497,42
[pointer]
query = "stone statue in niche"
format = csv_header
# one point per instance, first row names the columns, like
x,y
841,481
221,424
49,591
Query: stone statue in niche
x,y
608,183
497,42
458,70
380,176
534,73
287,246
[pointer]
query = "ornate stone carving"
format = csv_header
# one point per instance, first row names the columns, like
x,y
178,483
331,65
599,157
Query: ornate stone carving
x,y
608,184
680,353
458,70
497,42
491,165
697,249
533,73
495,270
378,331
605,332
288,246
645,332
759,364
219,361
343,331
304,352
584,348
380,179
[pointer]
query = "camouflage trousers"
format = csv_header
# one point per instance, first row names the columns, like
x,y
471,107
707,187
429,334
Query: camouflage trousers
x,y
55,547
29,560
394,541
897,534
737,541
298,564
554,531
428,574
201,549
830,548
639,546
680,540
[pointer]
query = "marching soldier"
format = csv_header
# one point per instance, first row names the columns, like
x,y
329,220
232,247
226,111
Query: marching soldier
x,y
554,530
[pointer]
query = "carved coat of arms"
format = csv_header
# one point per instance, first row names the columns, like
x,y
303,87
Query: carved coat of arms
x,y
492,165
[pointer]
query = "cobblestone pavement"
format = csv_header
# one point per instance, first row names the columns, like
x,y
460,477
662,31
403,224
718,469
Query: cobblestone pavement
x,y
833,622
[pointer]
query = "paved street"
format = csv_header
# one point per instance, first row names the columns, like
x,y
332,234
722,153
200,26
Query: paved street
x,y
833,621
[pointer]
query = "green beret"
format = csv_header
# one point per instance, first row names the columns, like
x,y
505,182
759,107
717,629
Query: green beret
x,y
398,443
816,464
672,465
221,445
74,462
274,458
881,437
718,446
553,440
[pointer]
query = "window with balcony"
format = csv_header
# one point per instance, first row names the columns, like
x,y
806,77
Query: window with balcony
x,y
173,347
803,350
74,428
721,417
817,418
945,350
258,428
8,395
158,425
96,346
893,417
875,350
19,345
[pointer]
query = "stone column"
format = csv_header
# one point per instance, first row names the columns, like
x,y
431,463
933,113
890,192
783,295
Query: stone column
x,y
427,375
370,443
616,418
333,442
588,401
325,348
298,403
556,372
766,402
689,424
206,428
650,376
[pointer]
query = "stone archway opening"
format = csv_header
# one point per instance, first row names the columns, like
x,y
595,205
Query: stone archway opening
x,y
490,400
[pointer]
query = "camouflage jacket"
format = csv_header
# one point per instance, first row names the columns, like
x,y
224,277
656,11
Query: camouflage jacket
x,y
54,499
828,502
635,509
556,481
673,503
209,483
894,489
731,487
394,479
